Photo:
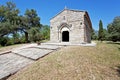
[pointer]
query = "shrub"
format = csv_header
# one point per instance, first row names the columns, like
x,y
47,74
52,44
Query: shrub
x,y
3,41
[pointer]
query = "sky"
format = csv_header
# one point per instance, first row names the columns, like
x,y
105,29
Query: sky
x,y
104,10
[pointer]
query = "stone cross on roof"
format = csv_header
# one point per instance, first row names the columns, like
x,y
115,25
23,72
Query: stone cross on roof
x,y
65,7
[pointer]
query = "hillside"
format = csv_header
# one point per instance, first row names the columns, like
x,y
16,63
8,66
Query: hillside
x,y
76,63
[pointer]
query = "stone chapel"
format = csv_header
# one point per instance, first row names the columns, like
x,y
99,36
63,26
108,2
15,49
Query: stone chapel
x,y
73,26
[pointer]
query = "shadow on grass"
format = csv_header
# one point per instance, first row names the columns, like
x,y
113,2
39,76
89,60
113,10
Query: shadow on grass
x,y
118,43
118,70
119,49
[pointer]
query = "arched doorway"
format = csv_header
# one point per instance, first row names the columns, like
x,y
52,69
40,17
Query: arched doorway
x,y
65,36
64,33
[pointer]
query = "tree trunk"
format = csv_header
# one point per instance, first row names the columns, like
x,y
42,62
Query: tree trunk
x,y
26,37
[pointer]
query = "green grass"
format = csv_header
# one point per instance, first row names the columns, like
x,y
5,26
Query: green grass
x,y
76,63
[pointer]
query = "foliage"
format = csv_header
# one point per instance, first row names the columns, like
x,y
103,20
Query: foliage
x,y
8,18
22,39
45,32
94,35
30,20
16,38
114,29
3,41
101,34
35,34
10,42
106,35
13,23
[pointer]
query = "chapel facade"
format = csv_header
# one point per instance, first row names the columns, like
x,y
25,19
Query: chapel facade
x,y
73,26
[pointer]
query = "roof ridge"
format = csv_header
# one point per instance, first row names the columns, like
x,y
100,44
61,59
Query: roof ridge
x,y
76,10
69,10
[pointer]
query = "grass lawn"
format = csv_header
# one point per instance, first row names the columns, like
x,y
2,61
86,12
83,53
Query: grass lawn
x,y
76,63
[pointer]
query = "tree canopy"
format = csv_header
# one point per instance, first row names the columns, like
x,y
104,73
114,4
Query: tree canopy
x,y
114,29
8,18
100,32
22,28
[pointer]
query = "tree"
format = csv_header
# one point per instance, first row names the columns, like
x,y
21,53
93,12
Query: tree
x,y
114,29
3,41
45,32
8,18
16,38
30,20
34,34
101,32
13,23
105,37
94,35
2,13
5,29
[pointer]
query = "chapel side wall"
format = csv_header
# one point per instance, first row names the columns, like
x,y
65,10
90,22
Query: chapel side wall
x,y
87,31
